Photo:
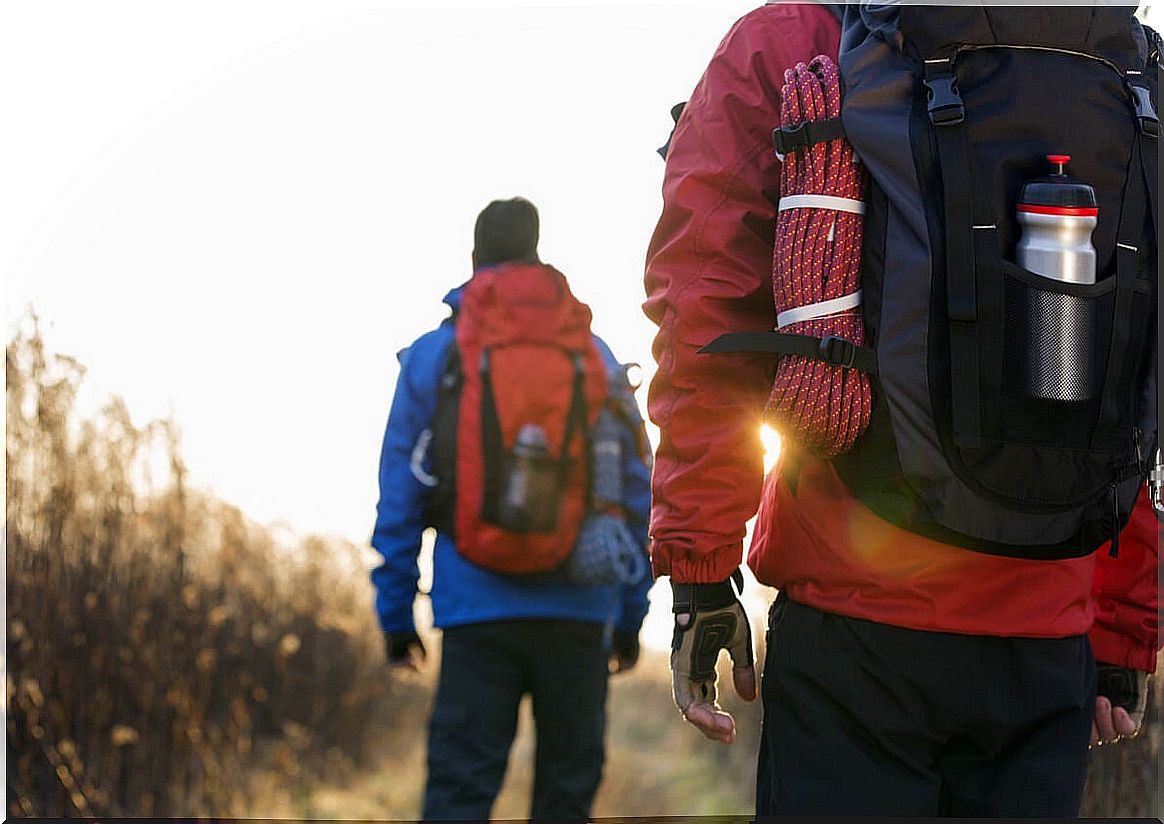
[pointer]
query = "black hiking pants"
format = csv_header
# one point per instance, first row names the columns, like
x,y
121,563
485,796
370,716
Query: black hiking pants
x,y
862,718
485,670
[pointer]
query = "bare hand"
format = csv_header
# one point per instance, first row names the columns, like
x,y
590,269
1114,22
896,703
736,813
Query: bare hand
x,y
1111,724
1127,687
404,665
621,663
624,652
404,651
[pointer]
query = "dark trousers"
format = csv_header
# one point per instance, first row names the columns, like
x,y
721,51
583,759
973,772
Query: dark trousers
x,y
863,718
485,670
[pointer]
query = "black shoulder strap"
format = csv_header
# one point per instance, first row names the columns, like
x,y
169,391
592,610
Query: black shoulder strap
x,y
576,418
1155,45
492,445
440,504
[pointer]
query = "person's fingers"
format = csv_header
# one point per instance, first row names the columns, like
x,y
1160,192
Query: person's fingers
x,y
1094,736
1123,723
622,663
680,689
740,648
744,680
743,671
1103,721
408,663
690,691
713,722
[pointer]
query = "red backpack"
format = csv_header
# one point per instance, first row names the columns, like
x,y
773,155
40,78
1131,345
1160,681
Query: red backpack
x,y
522,387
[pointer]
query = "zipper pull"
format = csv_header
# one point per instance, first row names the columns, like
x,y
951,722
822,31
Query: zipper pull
x,y
1114,552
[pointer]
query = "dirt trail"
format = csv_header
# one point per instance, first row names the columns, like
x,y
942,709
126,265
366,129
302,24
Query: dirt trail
x,y
656,765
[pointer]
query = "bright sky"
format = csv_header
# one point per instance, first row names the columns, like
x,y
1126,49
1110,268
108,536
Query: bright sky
x,y
237,212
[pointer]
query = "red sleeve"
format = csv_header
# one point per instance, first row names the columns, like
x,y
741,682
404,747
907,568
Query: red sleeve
x,y
1125,594
709,271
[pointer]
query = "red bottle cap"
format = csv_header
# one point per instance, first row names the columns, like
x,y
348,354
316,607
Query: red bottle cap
x,y
1058,193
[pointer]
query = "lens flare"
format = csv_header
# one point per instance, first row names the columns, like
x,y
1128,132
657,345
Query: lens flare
x,y
770,438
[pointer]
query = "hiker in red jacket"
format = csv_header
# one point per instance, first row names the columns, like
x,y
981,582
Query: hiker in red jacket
x,y
903,676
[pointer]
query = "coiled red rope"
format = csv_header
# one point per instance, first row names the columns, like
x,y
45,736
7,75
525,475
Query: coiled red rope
x,y
817,257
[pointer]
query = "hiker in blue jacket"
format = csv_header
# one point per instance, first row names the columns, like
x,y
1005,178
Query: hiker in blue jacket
x,y
503,635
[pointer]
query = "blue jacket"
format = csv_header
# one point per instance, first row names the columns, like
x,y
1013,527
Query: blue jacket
x,y
462,592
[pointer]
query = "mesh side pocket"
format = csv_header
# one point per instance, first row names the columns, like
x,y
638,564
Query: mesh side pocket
x,y
1056,347
1050,343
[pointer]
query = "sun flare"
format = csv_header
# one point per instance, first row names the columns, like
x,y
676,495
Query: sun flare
x,y
770,438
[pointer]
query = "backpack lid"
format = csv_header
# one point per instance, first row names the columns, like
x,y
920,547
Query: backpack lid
x,y
1058,191
1108,31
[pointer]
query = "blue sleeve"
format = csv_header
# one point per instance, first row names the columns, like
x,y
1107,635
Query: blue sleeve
x,y
404,491
636,491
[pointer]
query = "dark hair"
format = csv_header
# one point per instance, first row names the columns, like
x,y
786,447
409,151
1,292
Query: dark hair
x,y
506,230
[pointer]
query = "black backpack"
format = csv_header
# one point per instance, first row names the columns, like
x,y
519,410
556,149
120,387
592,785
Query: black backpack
x,y
953,109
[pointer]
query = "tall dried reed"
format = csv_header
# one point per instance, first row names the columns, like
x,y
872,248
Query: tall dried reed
x,y
159,643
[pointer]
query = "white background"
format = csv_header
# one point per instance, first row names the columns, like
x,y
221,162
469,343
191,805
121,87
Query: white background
x,y
238,213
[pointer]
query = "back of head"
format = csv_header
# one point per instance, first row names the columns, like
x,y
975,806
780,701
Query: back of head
x,y
506,231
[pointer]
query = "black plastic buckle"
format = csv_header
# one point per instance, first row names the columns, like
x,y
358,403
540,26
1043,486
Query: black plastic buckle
x,y
945,103
809,133
1145,113
789,138
837,351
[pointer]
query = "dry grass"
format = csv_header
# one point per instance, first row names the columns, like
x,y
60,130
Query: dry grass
x,y
159,643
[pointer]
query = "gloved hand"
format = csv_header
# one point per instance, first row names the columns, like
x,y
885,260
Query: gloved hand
x,y
404,650
624,651
1120,703
710,618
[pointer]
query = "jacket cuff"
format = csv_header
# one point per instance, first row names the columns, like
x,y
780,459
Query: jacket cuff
x,y
1118,650
708,568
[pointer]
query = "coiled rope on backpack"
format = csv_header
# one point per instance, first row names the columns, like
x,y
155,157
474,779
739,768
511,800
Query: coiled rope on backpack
x,y
816,266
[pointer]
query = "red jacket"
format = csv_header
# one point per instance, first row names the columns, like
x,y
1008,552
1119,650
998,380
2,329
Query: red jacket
x,y
709,271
